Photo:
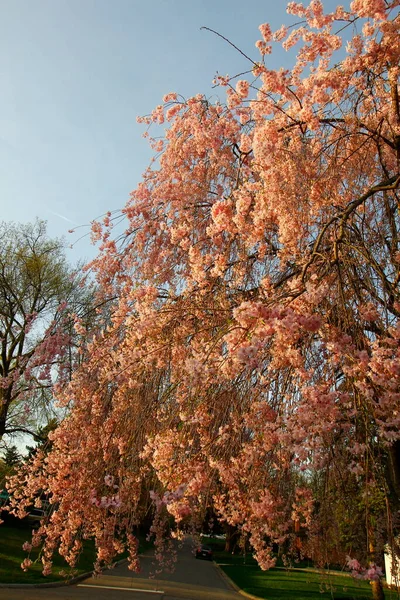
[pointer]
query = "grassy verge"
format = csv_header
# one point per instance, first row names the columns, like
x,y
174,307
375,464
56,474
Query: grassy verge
x,y
299,583
12,555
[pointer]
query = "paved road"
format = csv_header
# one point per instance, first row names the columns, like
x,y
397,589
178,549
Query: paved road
x,y
73,593
192,580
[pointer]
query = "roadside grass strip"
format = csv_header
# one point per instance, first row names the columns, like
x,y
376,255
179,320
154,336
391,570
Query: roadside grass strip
x,y
293,584
12,555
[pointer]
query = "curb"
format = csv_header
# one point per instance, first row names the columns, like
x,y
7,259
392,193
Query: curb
x,y
53,584
233,585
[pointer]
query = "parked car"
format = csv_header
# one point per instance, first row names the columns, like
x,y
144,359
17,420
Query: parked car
x,y
37,513
4,497
204,552
35,517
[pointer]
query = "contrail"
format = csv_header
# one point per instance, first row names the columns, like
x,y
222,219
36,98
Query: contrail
x,y
62,217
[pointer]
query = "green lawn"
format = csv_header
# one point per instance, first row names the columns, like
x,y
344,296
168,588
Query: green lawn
x,y
297,583
12,555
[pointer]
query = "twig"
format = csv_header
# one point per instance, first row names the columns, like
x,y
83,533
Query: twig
x,y
231,43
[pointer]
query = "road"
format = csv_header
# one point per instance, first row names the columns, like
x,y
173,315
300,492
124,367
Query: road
x,y
192,580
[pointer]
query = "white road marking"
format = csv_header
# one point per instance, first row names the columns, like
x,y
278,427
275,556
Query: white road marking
x,y
111,587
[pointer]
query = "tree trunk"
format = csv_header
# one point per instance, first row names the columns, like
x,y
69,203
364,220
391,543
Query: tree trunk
x,y
393,474
3,416
376,586
5,399
231,538
377,590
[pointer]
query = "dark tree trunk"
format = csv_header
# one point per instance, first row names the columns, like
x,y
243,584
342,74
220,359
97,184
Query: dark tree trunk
x,y
393,474
232,535
377,590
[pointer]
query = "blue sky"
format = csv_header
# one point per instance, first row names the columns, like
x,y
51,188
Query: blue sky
x,y
75,74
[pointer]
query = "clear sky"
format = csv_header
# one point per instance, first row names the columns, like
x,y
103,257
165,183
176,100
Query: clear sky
x,y
75,74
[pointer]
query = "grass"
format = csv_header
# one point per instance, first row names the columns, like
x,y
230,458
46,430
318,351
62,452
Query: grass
x,y
11,556
298,583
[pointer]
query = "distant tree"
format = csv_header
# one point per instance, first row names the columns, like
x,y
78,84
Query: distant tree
x,y
38,290
12,458
3,475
